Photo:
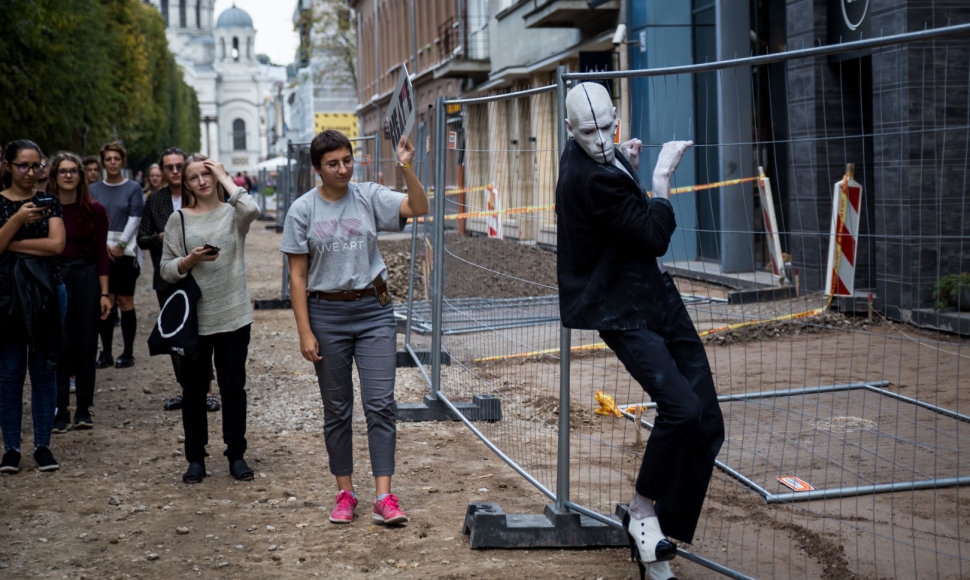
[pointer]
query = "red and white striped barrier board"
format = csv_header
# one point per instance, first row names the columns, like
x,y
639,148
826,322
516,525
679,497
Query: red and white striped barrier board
x,y
843,235
771,227
494,220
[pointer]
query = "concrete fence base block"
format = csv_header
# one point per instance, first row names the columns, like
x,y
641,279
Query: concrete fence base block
x,y
404,358
482,408
489,527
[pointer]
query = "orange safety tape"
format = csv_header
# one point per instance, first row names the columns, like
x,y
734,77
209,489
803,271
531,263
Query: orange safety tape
x,y
529,209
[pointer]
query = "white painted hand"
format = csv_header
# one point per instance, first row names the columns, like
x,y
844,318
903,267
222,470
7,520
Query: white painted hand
x,y
667,162
631,150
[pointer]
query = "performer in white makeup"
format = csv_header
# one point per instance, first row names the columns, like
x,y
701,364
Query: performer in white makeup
x,y
610,240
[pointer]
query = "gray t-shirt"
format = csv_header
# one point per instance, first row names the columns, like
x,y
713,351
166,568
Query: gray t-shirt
x,y
341,237
121,201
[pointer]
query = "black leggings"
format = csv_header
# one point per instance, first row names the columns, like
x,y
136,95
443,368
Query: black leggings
x,y
81,324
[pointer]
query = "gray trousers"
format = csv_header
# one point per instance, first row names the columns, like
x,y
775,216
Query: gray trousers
x,y
361,331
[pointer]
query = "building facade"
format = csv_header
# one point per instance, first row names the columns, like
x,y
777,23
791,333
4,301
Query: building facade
x,y
218,59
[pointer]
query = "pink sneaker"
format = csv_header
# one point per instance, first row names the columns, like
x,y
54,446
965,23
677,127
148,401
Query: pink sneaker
x,y
343,513
387,511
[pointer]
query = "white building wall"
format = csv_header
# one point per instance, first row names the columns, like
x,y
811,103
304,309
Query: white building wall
x,y
227,88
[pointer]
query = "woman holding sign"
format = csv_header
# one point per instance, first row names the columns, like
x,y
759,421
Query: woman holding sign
x,y
343,311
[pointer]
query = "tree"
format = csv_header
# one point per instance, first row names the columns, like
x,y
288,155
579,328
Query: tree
x,y
78,73
328,32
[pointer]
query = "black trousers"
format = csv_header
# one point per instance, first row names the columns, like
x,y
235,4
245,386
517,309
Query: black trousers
x,y
229,350
671,365
82,321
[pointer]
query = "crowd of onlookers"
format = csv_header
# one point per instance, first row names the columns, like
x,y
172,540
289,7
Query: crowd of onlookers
x,y
71,234
71,231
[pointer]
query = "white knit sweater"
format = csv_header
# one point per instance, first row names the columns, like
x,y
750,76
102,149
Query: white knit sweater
x,y
224,305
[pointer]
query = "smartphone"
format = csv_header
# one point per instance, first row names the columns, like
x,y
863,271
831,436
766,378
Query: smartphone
x,y
210,249
44,201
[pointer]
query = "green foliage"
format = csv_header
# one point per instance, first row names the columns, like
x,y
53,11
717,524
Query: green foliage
x,y
77,73
328,30
947,291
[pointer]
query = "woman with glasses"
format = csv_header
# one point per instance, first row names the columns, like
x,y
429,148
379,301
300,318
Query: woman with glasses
x,y
31,235
343,311
207,236
84,269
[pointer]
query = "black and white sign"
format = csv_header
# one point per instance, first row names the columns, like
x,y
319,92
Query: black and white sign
x,y
402,108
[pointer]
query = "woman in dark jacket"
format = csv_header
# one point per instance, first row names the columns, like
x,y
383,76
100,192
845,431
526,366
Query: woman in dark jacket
x,y
84,269
31,235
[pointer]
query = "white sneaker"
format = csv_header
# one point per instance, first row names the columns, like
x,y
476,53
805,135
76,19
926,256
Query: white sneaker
x,y
660,571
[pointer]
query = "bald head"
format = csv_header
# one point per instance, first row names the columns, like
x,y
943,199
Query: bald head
x,y
591,120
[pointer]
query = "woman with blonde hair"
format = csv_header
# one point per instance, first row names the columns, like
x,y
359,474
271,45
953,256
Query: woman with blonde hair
x,y
155,180
207,236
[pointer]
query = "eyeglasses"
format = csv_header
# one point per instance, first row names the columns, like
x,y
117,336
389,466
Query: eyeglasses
x,y
23,168
72,171
172,168
335,165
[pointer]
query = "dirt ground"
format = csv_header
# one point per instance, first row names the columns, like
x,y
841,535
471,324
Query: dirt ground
x,y
117,507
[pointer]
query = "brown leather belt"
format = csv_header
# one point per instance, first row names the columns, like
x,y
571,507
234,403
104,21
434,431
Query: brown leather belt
x,y
343,295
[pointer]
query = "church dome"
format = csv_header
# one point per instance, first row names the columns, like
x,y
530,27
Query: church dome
x,y
234,18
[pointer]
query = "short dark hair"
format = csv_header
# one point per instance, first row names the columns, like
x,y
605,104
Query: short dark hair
x,y
327,141
117,148
171,151
89,159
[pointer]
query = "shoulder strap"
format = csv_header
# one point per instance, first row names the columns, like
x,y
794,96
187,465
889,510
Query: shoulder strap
x,y
182,219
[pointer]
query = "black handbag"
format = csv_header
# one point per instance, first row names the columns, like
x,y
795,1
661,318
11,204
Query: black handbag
x,y
177,328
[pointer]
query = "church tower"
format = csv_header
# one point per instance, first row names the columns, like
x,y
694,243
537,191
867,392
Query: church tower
x,y
218,59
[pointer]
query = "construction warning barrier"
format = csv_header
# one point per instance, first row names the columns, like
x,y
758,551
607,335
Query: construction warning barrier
x,y
860,411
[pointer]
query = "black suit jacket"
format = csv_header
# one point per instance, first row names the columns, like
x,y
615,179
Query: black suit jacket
x,y
609,236
158,207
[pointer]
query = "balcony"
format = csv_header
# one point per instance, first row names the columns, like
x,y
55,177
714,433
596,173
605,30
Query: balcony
x,y
572,14
463,50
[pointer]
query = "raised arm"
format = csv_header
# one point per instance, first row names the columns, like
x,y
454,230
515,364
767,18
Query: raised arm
x,y
416,203
670,157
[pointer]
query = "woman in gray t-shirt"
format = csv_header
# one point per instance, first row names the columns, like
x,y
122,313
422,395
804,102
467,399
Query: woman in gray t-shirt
x,y
343,311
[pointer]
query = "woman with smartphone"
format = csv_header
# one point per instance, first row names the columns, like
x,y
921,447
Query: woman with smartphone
x,y
207,237
84,269
31,235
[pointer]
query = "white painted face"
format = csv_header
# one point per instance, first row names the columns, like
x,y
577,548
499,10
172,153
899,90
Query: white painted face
x,y
591,120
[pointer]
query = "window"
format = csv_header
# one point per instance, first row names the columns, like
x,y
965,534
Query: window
x,y
182,13
165,11
198,14
235,48
239,135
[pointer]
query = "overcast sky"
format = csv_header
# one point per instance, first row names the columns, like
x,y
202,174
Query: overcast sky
x,y
273,21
